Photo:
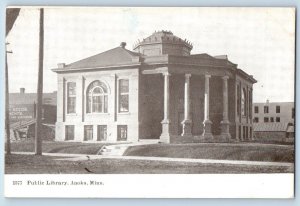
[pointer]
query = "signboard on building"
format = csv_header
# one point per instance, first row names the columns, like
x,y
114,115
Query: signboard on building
x,y
21,112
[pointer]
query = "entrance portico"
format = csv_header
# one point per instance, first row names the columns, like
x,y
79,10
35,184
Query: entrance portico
x,y
194,88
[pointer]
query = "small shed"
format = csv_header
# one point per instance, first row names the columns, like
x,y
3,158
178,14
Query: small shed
x,y
275,131
26,130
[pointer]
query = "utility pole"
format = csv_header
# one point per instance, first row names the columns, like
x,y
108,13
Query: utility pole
x,y
11,16
7,128
38,125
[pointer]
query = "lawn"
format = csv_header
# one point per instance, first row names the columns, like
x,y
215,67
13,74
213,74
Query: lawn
x,y
251,152
31,164
58,147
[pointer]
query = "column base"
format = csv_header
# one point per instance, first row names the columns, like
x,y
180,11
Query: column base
x,y
207,135
165,136
225,135
186,128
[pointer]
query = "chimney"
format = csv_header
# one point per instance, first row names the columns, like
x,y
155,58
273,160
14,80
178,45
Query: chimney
x,y
22,90
61,65
123,44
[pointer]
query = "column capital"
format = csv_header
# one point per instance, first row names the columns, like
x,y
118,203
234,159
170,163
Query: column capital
x,y
187,75
166,74
226,77
207,76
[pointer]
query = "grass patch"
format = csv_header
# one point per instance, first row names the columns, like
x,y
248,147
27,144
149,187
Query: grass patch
x,y
250,152
31,164
58,147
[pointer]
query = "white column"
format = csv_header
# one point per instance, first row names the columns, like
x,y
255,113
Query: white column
x,y
187,97
186,123
166,97
225,122
206,97
207,123
165,135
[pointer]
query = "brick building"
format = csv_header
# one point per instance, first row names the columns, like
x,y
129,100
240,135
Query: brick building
x,y
22,114
22,107
157,91
274,120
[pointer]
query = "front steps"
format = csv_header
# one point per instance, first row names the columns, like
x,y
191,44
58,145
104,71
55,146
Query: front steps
x,y
119,149
113,150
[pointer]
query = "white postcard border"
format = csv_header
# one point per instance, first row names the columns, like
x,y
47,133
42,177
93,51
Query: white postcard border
x,y
151,186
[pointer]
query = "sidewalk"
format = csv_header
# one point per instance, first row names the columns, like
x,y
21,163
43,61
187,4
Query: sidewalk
x,y
82,157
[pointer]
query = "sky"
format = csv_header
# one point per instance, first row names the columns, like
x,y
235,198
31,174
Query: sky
x,y
260,40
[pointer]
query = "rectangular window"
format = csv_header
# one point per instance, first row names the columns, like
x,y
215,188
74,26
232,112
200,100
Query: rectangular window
x,y
266,109
102,133
123,95
256,109
277,119
277,109
69,132
293,113
122,132
88,132
255,120
71,97
271,119
266,119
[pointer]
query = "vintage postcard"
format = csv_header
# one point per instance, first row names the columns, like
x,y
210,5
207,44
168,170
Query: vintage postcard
x,y
157,102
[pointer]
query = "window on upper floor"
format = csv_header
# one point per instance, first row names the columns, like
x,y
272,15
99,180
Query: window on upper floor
x,y
271,119
123,95
266,119
71,97
97,98
277,109
256,120
256,110
277,119
266,109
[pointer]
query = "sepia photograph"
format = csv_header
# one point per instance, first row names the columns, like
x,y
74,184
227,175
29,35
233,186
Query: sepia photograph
x,y
150,92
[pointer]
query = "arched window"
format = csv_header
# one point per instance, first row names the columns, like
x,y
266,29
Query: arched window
x,y
96,98
243,101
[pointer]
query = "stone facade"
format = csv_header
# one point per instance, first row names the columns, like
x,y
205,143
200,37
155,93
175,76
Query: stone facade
x,y
111,119
173,95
